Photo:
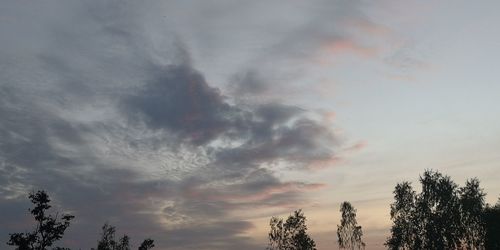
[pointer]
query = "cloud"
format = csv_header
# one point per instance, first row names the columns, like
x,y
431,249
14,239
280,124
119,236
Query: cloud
x,y
298,144
301,35
366,26
103,106
180,100
356,147
339,47
219,235
259,187
407,57
248,83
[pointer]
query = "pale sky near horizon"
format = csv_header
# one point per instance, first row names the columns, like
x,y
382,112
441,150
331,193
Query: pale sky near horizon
x,y
194,122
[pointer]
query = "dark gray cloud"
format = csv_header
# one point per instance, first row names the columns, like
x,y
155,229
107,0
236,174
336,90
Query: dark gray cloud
x,y
299,144
102,106
180,100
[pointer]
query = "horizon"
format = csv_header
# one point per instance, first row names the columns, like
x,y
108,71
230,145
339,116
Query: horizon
x,y
171,119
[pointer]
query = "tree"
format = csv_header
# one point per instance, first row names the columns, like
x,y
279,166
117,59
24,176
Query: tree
x,y
290,234
491,216
472,208
123,244
147,244
49,228
441,216
438,212
402,213
348,232
108,242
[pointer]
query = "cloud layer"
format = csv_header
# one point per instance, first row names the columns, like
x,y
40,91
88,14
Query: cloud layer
x,y
103,106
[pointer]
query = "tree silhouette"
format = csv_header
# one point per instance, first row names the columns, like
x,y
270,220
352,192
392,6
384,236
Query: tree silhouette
x,y
441,216
403,231
147,244
438,212
108,242
348,232
49,228
491,217
290,234
472,208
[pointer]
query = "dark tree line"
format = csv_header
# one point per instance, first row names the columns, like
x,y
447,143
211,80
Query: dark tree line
x,y
108,241
50,228
491,216
442,216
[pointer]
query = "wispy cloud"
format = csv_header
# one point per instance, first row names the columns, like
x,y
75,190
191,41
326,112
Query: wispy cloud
x,y
339,47
118,124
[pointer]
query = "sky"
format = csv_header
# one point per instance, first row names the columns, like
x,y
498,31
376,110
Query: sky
x,y
194,122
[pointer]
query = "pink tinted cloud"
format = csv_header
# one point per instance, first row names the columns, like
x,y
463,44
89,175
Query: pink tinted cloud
x,y
346,46
356,147
324,163
360,32
328,116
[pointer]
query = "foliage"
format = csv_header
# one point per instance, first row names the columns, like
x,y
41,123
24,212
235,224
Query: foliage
x,y
108,242
472,207
290,234
491,217
147,244
441,216
348,232
403,213
49,228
